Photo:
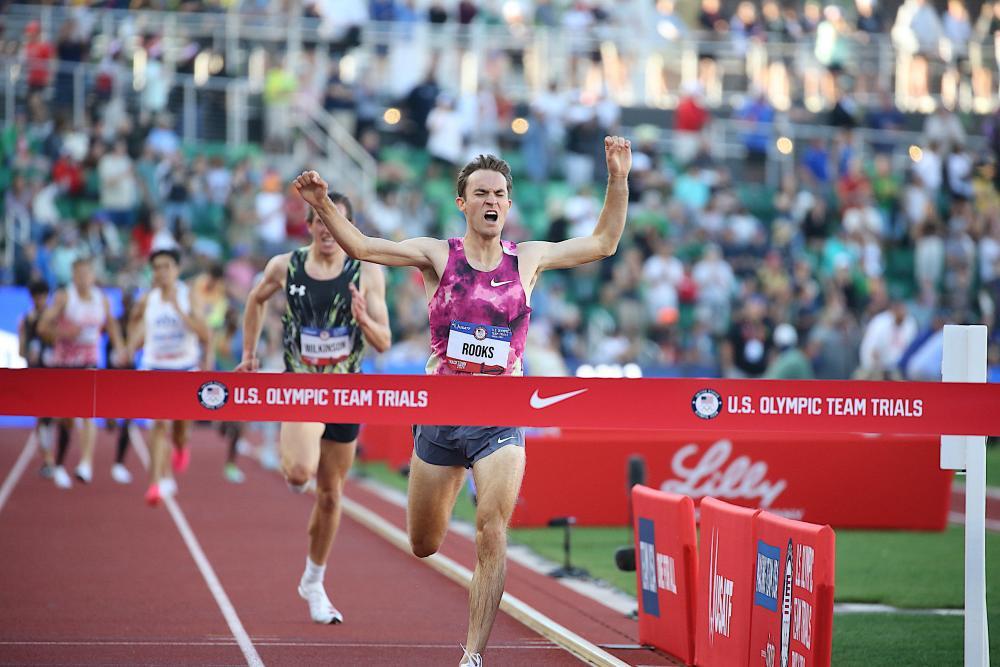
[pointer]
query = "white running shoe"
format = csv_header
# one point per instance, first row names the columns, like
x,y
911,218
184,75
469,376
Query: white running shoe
x,y
308,487
320,608
269,458
84,473
168,487
62,478
470,659
120,474
233,474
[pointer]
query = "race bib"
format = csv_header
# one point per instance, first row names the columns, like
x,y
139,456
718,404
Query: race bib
x,y
324,347
478,348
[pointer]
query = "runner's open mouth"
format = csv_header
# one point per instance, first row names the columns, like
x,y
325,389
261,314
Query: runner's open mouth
x,y
492,216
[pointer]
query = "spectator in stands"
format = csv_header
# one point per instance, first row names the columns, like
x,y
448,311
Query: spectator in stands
x,y
922,360
72,48
119,186
790,362
944,129
716,285
662,274
445,136
834,341
691,119
157,79
280,88
745,26
271,222
747,345
38,58
958,173
758,114
916,35
338,98
832,44
163,139
957,32
868,20
929,167
887,336
418,105
436,13
885,117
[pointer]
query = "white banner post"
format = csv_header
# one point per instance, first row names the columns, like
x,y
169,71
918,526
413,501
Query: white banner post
x,y
964,360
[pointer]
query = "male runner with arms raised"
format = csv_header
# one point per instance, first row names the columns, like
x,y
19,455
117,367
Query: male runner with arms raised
x,y
478,292
335,305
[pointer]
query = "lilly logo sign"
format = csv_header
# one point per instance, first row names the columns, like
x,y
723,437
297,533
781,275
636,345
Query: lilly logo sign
x,y
710,476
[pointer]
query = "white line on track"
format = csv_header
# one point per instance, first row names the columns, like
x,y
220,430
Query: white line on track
x,y
514,607
15,473
207,573
304,644
620,602
959,518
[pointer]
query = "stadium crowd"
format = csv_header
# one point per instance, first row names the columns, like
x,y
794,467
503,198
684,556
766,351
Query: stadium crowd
x,y
847,267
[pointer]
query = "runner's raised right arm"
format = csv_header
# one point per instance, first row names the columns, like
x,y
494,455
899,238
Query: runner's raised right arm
x,y
422,252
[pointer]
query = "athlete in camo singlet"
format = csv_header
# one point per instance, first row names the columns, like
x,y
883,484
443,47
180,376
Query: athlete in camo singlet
x,y
335,305
320,335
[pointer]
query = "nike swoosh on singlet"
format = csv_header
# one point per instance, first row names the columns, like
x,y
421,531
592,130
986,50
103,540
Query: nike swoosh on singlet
x,y
494,283
538,402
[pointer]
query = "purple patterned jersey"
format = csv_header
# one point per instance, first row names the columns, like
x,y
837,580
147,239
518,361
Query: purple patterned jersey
x,y
479,319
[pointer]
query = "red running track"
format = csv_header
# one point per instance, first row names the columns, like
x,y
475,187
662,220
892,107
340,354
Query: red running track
x,y
92,576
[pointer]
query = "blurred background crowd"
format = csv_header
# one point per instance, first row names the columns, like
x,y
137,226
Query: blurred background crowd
x,y
814,190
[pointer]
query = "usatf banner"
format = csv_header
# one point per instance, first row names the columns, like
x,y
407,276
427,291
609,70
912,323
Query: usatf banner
x,y
666,570
792,619
725,580
681,404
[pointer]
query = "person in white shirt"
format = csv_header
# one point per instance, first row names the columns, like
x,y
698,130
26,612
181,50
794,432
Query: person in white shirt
x,y
444,127
930,167
167,324
886,338
118,185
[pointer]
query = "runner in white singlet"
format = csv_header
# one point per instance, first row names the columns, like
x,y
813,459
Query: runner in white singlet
x,y
167,324
79,314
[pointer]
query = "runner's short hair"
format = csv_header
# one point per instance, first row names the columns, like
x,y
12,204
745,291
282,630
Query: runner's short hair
x,y
487,163
172,253
336,198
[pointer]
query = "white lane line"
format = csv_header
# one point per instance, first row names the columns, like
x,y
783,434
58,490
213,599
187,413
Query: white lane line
x,y
868,608
514,607
15,473
598,591
207,573
959,518
304,644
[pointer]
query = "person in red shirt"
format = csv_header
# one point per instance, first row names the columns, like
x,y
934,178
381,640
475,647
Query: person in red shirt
x,y
690,119
68,173
38,54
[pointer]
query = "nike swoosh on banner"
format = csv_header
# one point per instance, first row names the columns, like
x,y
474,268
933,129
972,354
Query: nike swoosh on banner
x,y
496,284
538,402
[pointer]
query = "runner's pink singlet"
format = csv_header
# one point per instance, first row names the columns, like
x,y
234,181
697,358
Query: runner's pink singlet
x,y
479,319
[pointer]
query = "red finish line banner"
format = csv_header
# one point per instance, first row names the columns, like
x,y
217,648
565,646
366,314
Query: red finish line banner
x,y
676,404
